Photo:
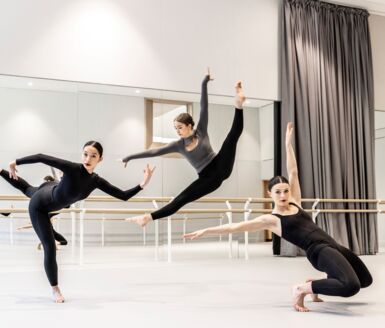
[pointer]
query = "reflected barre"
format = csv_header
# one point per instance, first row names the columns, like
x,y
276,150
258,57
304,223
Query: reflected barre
x,y
187,211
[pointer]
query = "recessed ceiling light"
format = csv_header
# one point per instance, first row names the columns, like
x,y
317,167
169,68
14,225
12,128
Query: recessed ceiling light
x,y
137,91
30,84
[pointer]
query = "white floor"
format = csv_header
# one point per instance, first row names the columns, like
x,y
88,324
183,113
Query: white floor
x,y
125,287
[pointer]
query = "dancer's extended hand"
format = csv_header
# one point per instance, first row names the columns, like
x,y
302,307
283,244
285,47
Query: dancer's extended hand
x,y
195,234
147,175
121,160
289,133
12,170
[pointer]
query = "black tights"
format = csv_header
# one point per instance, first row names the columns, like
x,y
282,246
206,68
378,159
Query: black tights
x,y
39,207
346,273
212,176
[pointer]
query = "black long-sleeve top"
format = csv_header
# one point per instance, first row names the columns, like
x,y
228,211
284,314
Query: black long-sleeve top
x,y
76,183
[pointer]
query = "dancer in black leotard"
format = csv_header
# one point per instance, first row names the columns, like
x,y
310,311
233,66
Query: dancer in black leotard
x,y
346,273
28,191
212,168
78,181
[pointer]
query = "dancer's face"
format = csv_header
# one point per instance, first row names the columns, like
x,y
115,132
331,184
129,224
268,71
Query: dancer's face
x,y
182,129
90,158
280,193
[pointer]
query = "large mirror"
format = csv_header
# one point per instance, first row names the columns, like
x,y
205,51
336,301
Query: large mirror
x,y
379,165
159,115
58,117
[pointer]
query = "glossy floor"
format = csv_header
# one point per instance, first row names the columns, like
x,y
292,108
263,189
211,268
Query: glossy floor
x,y
124,287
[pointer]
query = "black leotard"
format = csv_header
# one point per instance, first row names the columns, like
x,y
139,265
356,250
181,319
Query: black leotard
x,y
346,272
300,230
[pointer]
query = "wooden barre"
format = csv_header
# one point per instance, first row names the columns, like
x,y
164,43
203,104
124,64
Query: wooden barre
x,y
204,199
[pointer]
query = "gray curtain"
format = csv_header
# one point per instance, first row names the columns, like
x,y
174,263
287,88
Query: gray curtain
x,y
327,90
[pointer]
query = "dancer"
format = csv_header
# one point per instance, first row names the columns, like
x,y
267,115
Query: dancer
x,y
29,191
78,181
346,273
212,168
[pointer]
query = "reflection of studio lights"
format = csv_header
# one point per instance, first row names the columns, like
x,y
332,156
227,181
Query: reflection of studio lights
x,y
30,84
137,91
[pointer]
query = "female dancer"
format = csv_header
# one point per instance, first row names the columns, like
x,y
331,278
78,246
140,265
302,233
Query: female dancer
x,y
212,168
346,273
29,191
78,181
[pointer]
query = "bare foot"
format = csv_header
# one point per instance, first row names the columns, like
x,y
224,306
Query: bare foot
x,y
298,297
140,220
240,96
57,295
314,297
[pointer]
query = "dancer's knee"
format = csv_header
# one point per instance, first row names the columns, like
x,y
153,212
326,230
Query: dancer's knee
x,y
350,288
366,281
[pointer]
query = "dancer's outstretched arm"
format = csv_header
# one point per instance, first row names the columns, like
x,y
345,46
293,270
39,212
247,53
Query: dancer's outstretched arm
x,y
291,165
262,222
172,147
59,163
114,191
204,103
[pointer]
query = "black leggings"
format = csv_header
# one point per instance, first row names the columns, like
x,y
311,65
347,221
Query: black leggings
x,y
346,273
39,207
212,176
29,191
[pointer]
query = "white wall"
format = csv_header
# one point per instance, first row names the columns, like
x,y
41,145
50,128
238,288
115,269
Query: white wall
x,y
377,29
162,44
59,123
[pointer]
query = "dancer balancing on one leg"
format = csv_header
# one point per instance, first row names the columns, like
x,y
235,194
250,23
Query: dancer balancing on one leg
x,y
78,181
29,191
346,273
194,145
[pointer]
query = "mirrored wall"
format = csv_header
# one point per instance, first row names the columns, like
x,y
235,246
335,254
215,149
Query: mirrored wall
x,y
380,172
58,117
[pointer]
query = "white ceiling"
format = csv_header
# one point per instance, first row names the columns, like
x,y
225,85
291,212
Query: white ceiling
x,y
375,7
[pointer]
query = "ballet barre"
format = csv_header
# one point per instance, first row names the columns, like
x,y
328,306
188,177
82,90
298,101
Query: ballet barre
x,y
229,211
81,210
